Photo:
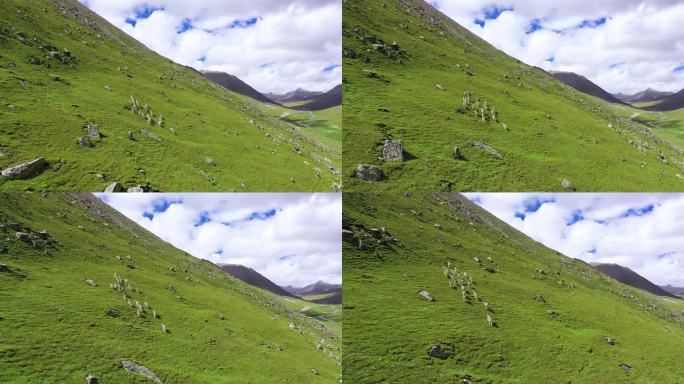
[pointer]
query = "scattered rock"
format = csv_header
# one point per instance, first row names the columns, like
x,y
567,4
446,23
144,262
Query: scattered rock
x,y
91,282
114,187
487,148
138,189
25,170
439,86
610,341
91,379
107,87
568,186
111,312
222,316
150,135
393,151
130,135
457,154
4,268
423,294
540,298
85,142
293,326
369,173
93,130
209,161
22,236
436,351
626,367
348,236
136,368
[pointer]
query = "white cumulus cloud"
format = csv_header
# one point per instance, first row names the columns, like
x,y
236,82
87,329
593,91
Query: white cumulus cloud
x,y
273,45
622,45
644,232
291,238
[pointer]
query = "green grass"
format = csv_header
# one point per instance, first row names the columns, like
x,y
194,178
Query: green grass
x,y
388,329
324,126
328,314
668,125
252,150
553,132
55,330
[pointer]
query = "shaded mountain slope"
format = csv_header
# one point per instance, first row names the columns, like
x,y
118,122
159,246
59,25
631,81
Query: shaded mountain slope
x,y
543,131
161,125
629,277
254,278
333,298
678,291
551,314
236,85
670,103
330,99
585,85
644,96
57,327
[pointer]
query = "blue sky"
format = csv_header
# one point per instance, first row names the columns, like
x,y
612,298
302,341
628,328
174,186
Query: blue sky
x,y
585,36
291,238
644,232
301,40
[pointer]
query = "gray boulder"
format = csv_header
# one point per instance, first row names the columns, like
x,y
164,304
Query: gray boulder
x,y
25,170
457,154
85,142
568,186
93,130
348,236
425,295
138,189
91,282
111,312
487,148
90,379
136,368
114,187
610,341
369,173
150,135
436,351
393,151
209,161
22,236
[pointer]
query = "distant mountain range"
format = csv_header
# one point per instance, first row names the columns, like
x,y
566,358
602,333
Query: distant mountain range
x,y
254,278
236,85
629,277
298,94
643,96
678,291
585,85
319,288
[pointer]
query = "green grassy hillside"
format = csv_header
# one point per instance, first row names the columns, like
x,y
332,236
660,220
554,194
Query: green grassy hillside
x,y
62,67
56,329
668,124
550,314
406,70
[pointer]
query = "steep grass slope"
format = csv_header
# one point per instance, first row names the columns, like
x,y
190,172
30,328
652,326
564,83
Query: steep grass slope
x,y
56,329
406,69
551,315
63,67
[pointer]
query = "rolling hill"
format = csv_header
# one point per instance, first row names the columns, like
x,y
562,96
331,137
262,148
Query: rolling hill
x,y
584,85
233,83
469,117
85,291
254,278
319,292
100,108
329,99
527,314
631,278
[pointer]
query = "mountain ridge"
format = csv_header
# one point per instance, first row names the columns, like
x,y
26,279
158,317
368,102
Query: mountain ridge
x,y
235,84
254,278
631,278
